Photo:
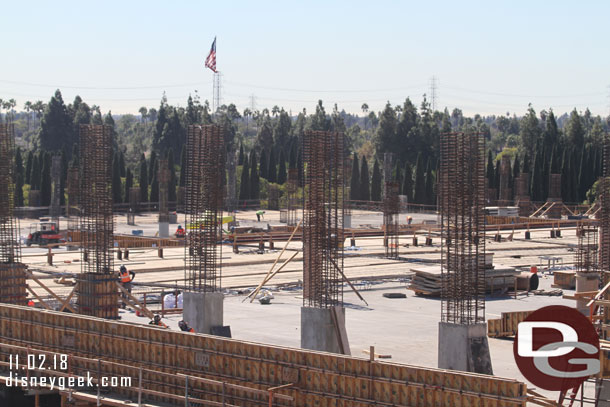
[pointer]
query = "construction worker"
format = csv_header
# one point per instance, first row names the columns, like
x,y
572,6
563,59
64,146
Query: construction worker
x,y
157,321
260,214
185,327
409,220
180,232
126,277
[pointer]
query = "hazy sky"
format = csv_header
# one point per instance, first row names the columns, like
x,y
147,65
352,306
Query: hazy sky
x,y
488,57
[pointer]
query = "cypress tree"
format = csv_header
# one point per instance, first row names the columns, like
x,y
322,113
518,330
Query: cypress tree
x,y
516,167
293,156
74,161
183,166
35,176
497,179
526,164
18,163
365,188
281,171
143,179
376,183
40,166
122,164
537,179
28,167
45,186
19,190
151,172
240,160
419,194
582,175
300,167
272,168
565,179
407,184
490,171
354,190
64,178
254,177
263,164
429,184
397,173
171,187
128,184
116,180
244,190
154,185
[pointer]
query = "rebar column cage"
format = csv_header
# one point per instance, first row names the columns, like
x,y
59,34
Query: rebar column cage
x,y
292,199
12,272
273,198
586,258
55,209
231,201
163,175
72,206
462,201
391,208
324,193
505,190
96,289
134,205
205,157
603,218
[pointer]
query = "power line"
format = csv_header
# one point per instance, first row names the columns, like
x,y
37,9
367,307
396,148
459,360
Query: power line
x,y
184,85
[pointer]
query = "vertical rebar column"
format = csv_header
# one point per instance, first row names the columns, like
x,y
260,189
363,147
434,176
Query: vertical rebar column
x,y
391,208
462,200
163,176
231,181
586,258
603,217
292,200
323,219
273,198
203,202
97,293
12,275
73,187
505,190
55,209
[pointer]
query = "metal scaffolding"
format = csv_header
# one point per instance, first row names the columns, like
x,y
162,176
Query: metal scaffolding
x,y
323,218
462,201
603,217
12,272
96,289
205,154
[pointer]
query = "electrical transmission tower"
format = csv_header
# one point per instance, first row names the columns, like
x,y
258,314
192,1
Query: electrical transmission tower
x,y
433,92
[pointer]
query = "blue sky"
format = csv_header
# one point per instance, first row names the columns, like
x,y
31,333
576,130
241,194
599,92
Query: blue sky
x,y
488,57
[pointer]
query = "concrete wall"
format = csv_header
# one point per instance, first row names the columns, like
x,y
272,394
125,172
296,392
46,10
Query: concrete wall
x,y
202,311
163,229
464,347
319,331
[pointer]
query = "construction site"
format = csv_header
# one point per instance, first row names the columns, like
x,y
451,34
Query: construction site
x,y
317,302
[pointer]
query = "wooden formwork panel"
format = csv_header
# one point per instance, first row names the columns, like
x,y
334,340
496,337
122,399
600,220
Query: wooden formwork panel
x,y
506,325
320,379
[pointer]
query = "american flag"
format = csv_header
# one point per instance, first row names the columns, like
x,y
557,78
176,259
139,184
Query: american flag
x,y
210,61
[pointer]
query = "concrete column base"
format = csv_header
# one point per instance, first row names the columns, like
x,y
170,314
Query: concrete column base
x,y
323,329
585,282
203,311
464,347
163,229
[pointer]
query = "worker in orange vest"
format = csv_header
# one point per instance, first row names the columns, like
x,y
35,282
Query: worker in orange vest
x,y
180,232
126,277
185,327
157,321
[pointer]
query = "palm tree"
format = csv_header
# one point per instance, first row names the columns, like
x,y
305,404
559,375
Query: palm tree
x,y
275,110
144,112
247,113
28,107
365,109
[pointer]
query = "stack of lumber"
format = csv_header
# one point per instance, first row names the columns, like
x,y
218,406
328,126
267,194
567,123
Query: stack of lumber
x,y
427,279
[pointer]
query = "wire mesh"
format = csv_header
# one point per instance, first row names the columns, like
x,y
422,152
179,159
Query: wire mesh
x,y
462,200
203,202
323,218
12,276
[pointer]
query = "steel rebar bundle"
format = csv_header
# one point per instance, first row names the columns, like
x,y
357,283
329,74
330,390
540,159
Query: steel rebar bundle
x,y
12,276
603,216
163,175
203,201
323,218
97,293
462,200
